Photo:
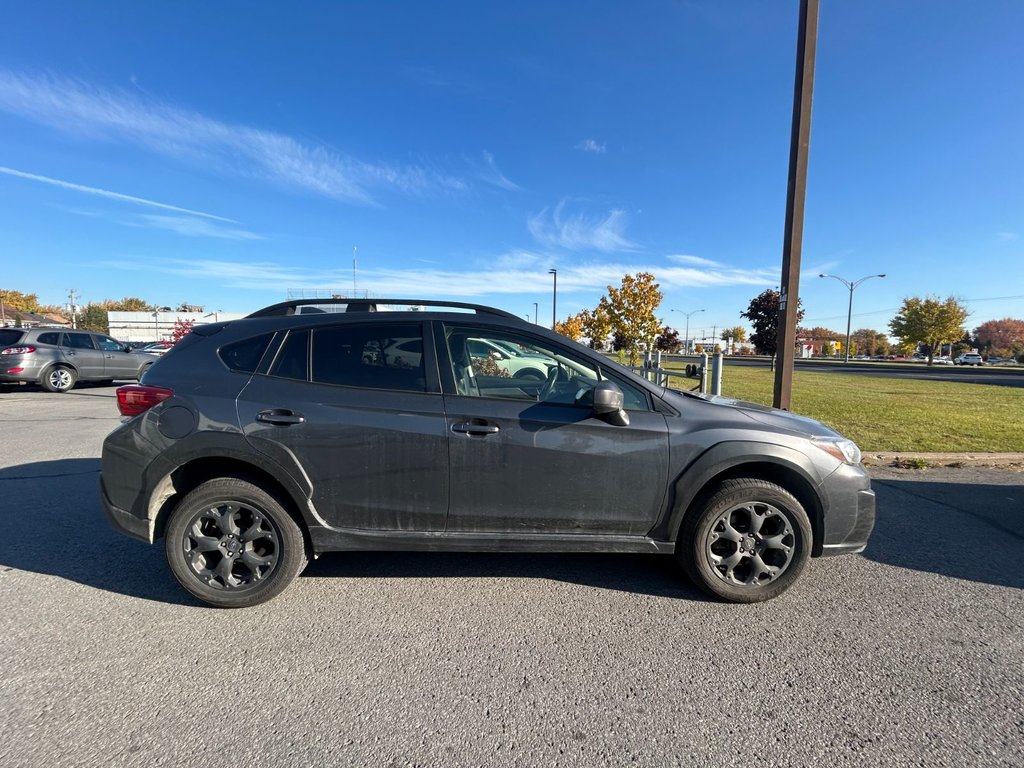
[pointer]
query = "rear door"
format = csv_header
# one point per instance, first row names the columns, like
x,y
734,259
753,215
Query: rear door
x,y
79,349
367,425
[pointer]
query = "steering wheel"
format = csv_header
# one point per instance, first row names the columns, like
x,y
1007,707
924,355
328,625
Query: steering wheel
x,y
555,375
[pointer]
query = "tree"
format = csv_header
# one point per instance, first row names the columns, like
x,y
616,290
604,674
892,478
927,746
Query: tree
x,y
181,329
129,304
631,309
1000,337
597,325
930,322
868,341
732,335
763,314
94,318
571,327
16,300
669,341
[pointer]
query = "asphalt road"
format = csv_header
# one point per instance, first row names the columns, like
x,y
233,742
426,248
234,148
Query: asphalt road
x,y
1000,376
910,654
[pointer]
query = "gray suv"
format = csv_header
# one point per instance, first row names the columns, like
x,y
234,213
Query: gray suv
x,y
253,445
57,359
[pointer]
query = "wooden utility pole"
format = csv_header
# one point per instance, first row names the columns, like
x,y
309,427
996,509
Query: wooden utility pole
x,y
799,145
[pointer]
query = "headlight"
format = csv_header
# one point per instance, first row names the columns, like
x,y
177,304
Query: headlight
x,y
843,449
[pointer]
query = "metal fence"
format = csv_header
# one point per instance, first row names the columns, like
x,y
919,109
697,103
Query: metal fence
x,y
701,372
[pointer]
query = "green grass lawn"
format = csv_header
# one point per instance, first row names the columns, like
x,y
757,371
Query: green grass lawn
x,y
883,414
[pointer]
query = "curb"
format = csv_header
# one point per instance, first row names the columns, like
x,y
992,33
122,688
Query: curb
x,y
918,460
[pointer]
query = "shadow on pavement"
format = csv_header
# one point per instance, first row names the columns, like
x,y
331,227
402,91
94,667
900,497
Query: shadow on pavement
x,y
964,530
53,524
57,527
655,575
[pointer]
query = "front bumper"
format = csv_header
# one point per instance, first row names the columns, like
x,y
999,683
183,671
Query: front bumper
x,y
850,511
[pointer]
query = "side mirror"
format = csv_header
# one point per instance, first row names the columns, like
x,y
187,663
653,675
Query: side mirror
x,y
127,347
608,402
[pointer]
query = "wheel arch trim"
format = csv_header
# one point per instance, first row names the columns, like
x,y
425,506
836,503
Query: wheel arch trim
x,y
778,464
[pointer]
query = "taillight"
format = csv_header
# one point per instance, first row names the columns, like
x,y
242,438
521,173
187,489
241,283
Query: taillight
x,y
133,399
17,350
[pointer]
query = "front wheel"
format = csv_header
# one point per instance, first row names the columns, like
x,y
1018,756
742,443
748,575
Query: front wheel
x,y
747,543
232,544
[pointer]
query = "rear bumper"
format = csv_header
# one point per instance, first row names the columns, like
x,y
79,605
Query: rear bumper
x,y
124,521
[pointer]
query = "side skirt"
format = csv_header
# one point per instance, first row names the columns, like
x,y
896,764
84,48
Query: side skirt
x,y
341,539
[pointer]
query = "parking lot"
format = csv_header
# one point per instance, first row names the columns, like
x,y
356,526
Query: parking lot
x,y
912,653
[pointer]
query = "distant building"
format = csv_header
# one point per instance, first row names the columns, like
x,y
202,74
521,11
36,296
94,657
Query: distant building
x,y
135,327
11,318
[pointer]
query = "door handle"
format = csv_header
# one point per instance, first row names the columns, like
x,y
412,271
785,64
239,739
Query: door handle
x,y
469,428
280,416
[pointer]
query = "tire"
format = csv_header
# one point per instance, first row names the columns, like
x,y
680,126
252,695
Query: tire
x,y
748,542
232,545
59,378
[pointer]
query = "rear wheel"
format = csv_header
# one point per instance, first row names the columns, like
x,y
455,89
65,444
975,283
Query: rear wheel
x,y
748,542
232,544
59,378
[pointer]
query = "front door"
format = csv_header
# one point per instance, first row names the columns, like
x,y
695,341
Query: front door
x,y
117,364
530,456
366,425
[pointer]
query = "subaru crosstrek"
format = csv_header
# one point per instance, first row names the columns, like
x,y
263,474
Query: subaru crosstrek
x,y
254,445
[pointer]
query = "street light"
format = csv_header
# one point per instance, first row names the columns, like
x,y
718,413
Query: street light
x,y
536,317
687,339
554,295
849,311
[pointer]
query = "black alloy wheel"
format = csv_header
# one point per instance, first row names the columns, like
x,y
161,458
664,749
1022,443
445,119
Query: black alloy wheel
x,y
747,543
232,545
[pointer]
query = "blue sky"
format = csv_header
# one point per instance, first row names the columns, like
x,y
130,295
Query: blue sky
x,y
224,153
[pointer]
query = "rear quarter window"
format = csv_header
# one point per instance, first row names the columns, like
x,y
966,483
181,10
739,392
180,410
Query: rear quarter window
x,y
244,356
9,337
49,338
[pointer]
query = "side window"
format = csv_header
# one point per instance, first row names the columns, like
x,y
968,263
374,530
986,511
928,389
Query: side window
x,y
78,341
293,360
384,356
515,366
49,338
244,356
107,344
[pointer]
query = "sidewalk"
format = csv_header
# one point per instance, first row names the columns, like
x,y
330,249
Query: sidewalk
x,y
912,459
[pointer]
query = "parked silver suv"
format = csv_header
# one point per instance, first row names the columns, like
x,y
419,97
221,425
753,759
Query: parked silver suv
x,y
56,359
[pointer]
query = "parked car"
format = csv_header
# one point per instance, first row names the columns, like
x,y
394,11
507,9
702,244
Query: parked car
x,y
155,348
57,359
253,445
969,358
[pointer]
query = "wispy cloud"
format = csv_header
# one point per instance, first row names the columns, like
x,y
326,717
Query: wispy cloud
x,y
696,261
580,232
110,195
1006,237
488,172
501,278
589,145
83,110
191,227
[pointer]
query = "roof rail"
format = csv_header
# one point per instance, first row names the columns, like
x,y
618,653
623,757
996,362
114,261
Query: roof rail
x,y
289,307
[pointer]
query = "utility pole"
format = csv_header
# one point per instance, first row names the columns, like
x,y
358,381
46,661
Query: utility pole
x,y
353,272
536,317
72,308
796,193
554,297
